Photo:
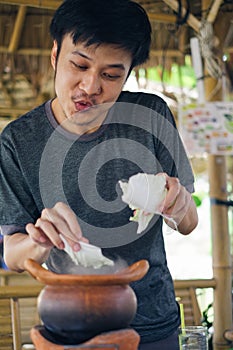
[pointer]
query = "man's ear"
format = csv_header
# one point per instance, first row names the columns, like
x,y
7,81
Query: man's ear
x,y
54,55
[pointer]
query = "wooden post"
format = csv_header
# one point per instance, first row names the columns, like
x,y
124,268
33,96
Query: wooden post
x,y
17,29
47,4
222,267
222,270
214,11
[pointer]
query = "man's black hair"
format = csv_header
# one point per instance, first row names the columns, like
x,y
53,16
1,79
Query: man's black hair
x,y
120,22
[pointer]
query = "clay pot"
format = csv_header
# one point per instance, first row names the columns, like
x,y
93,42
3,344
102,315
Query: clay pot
x,y
75,308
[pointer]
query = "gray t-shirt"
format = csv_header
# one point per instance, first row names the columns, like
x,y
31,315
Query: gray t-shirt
x,y
42,164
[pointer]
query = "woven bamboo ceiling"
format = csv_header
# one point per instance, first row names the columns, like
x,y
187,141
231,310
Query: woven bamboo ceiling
x,y
25,42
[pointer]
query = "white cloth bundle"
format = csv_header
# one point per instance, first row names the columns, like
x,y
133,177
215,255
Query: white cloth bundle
x,y
88,256
144,193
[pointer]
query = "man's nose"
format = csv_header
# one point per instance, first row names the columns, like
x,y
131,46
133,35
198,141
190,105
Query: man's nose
x,y
90,84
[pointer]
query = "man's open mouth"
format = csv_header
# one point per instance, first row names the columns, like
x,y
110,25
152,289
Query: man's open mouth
x,y
83,106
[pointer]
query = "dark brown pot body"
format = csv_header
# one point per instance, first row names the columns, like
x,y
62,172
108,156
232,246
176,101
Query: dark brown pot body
x,y
74,314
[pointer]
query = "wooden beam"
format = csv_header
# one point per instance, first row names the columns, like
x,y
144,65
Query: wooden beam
x,y
46,52
197,283
28,51
168,53
214,11
34,52
3,49
46,4
20,291
18,27
161,17
192,21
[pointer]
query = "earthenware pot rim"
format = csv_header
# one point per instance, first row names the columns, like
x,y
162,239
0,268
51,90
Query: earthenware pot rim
x,y
134,272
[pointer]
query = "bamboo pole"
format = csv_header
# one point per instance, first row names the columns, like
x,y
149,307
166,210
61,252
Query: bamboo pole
x,y
20,291
222,269
161,17
192,21
14,42
169,53
221,257
15,320
47,52
214,11
47,4
195,283
35,52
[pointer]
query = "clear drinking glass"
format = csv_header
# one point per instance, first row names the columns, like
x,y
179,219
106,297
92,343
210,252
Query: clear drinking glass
x,y
193,338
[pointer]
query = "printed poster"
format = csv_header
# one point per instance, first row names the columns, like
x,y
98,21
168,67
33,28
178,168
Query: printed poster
x,y
207,128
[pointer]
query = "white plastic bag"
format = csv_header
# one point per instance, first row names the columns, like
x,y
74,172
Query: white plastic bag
x,y
144,193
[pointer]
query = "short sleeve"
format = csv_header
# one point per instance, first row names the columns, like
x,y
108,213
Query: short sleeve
x,y
17,206
172,155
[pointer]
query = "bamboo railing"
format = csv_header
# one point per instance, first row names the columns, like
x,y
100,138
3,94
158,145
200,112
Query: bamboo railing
x,y
18,314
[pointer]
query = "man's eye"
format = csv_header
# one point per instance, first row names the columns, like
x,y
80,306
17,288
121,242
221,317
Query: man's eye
x,y
111,76
78,66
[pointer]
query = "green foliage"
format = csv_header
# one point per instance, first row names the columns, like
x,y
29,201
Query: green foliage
x,y
197,200
179,76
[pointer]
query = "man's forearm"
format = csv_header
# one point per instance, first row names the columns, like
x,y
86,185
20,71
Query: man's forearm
x,y
19,247
189,221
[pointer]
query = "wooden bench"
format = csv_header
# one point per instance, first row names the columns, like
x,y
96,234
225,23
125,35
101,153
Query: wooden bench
x,y
11,278
185,290
18,305
18,314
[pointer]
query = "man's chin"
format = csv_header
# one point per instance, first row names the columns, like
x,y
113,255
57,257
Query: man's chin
x,y
82,123
90,115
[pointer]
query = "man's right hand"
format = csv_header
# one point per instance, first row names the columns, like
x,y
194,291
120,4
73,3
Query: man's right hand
x,y
55,221
42,236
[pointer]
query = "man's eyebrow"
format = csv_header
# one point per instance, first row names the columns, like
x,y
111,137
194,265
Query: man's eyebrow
x,y
76,52
113,65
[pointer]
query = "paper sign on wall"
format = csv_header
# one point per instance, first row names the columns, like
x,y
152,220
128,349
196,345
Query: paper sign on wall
x,y
207,128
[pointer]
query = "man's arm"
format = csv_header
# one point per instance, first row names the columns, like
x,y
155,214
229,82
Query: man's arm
x,y
179,206
19,247
189,221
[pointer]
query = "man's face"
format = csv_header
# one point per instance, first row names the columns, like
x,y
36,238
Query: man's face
x,y
85,78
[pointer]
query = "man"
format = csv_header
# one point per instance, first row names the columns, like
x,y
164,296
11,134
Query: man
x,y
61,163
